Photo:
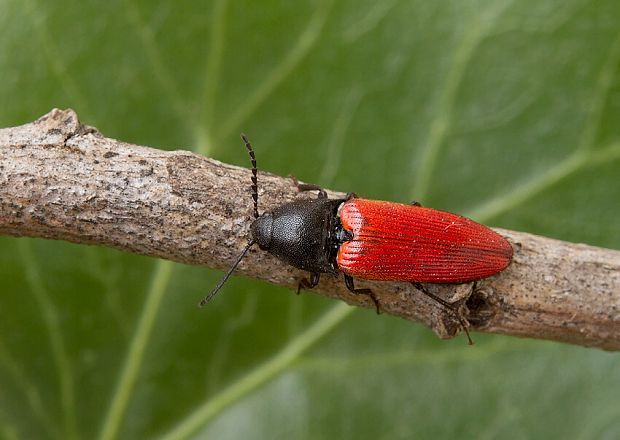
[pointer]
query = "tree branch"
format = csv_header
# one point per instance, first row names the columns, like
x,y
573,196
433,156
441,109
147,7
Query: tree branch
x,y
62,180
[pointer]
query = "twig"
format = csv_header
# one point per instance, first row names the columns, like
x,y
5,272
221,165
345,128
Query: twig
x,y
62,180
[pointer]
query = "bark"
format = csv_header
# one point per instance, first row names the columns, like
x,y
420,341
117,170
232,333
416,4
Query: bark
x,y
62,180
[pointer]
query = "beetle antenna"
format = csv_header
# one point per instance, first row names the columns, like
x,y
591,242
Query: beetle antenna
x,y
210,296
248,145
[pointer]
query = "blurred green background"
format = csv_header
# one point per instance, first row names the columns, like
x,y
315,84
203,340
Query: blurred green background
x,y
506,111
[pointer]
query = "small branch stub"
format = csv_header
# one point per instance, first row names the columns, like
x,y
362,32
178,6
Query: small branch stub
x,y
62,180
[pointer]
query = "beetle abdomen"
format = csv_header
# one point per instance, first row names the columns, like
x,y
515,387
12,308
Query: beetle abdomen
x,y
392,241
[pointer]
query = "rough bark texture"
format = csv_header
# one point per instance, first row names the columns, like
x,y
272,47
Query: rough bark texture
x,y
62,180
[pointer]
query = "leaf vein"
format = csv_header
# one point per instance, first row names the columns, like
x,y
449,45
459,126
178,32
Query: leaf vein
x,y
302,47
136,351
439,127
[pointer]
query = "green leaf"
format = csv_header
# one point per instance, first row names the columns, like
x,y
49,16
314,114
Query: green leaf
x,y
503,110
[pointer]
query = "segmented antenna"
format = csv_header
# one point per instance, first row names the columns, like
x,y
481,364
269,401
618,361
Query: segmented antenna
x,y
248,145
217,288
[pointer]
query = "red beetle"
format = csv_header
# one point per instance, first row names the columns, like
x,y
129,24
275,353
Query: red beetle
x,y
374,240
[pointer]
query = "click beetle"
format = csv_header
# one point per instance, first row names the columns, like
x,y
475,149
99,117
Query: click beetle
x,y
373,240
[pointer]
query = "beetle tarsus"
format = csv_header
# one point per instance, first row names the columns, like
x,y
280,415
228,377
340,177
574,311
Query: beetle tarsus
x,y
307,285
448,306
348,281
351,195
302,187
415,203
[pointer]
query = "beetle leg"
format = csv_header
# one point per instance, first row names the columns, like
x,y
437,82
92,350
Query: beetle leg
x,y
447,305
348,281
309,187
415,203
351,195
307,285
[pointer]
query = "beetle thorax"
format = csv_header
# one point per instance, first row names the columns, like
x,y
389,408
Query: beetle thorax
x,y
300,233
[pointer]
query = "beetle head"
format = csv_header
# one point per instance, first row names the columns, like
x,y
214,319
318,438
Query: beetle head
x,y
261,229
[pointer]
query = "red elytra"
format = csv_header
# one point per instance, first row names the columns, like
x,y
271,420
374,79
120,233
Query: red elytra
x,y
396,242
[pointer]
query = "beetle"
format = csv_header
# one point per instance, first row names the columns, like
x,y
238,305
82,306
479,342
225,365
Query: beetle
x,y
373,240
